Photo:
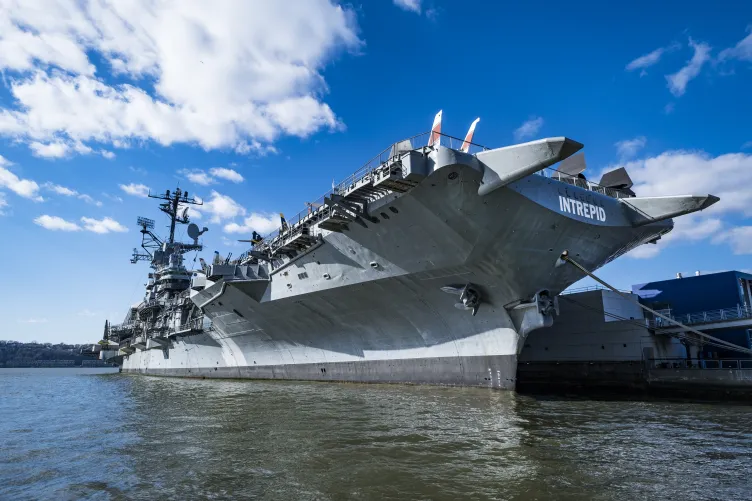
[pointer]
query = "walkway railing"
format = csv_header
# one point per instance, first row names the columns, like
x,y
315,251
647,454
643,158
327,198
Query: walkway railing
x,y
712,364
705,317
552,173
416,142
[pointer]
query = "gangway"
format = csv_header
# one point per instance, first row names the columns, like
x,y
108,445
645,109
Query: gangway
x,y
739,317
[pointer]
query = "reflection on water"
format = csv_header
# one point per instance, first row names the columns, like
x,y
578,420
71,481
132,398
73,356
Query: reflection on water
x,y
72,436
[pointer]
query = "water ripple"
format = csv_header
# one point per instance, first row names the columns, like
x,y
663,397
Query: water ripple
x,y
77,436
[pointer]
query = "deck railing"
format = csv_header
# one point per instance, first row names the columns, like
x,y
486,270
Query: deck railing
x,y
704,317
317,207
552,173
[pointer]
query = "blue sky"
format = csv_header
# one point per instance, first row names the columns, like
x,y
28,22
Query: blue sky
x,y
257,106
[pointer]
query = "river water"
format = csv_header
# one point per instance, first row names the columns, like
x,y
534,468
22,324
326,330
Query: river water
x,y
74,434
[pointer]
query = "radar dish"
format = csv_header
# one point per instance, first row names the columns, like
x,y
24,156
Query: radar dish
x,y
193,231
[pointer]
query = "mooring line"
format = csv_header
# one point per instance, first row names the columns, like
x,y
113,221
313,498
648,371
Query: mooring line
x,y
735,347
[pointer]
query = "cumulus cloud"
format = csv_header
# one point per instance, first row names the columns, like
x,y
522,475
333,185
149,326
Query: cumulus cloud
x,y
89,200
677,82
204,178
60,190
234,74
528,129
227,174
221,207
629,147
739,238
62,149
22,187
409,5
692,227
104,225
198,177
68,192
56,223
741,51
262,223
193,213
137,190
692,172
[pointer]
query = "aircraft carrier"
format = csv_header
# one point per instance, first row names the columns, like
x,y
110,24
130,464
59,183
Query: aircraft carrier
x,y
429,265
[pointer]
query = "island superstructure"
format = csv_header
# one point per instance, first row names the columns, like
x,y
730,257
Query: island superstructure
x,y
430,264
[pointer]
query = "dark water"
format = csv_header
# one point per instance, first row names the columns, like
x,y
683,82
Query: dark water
x,y
67,435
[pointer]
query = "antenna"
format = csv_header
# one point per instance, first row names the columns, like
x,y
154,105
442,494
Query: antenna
x,y
145,222
171,206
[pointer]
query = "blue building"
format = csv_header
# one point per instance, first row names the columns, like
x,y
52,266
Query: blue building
x,y
703,298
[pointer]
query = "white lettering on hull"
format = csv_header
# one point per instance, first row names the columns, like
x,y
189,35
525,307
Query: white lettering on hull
x,y
581,209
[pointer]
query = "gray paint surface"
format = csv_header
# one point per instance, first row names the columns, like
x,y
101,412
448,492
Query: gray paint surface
x,y
366,302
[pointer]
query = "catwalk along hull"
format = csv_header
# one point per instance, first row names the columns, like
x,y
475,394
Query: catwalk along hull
x,y
367,304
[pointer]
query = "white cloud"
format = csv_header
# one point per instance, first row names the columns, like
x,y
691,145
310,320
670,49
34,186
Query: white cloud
x,y
89,200
692,172
107,154
58,149
137,190
22,187
747,145
87,313
137,170
198,177
528,129
410,5
60,190
692,227
68,192
194,214
235,74
104,225
222,207
739,238
262,223
56,223
204,178
228,174
741,51
49,150
3,203
629,147
649,59
677,83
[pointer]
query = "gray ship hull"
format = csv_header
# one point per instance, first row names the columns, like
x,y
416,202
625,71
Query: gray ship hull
x,y
367,305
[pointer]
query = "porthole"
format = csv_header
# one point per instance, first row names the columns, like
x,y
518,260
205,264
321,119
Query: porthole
x,y
384,215
394,209
452,176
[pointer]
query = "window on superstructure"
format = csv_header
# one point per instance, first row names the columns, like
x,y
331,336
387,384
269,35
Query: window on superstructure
x,y
302,276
